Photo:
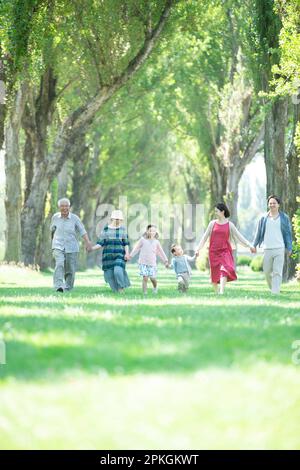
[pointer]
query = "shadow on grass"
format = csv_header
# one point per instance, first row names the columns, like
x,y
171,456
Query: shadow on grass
x,y
92,329
127,339
43,296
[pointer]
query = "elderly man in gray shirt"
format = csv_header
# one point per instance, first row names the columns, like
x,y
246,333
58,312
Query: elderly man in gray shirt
x,y
64,229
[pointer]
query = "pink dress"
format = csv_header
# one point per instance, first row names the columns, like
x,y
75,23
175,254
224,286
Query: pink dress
x,y
220,254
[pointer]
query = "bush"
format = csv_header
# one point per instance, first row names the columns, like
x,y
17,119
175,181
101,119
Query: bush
x,y
257,263
298,272
296,244
202,261
243,260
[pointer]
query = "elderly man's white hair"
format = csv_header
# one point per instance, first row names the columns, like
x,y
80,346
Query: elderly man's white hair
x,y
63,200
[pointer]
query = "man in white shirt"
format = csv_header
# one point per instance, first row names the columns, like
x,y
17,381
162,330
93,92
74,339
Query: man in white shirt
x,y
64,229
275,233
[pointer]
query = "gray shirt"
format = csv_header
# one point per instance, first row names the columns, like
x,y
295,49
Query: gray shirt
x,y
65,231
180,264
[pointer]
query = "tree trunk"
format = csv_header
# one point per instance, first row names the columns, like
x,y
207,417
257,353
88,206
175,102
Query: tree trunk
x,y
36,127
62,181
293,192
33,215
88,222
293,167
218,180
43,252
2,101
29,127
85,184
236,170
13,198
195,193
80,183
274,148
282,170
232,192
46,169
58,190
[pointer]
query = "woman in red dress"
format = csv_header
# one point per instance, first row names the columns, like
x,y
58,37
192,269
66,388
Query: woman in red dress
x,y
222,235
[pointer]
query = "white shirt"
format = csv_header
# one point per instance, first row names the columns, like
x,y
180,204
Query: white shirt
x,y
273,236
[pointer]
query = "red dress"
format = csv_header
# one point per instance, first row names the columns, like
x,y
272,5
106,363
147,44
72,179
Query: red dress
x,y
220,254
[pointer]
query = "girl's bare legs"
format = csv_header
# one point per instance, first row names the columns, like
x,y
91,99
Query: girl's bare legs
x,y
215,287
145,281
154,283
223,281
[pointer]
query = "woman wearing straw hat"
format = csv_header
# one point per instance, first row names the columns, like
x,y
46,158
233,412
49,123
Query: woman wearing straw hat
x,y
115,243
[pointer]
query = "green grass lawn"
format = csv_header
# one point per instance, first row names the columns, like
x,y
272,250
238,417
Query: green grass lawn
x,y
91,369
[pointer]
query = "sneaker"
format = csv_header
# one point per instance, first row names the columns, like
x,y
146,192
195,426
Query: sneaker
x,y
155,290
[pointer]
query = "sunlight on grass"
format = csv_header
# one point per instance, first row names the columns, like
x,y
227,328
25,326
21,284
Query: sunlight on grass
x,y
95,370
156,411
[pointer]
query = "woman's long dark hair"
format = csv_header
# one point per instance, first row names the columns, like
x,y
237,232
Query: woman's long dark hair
x,y
222,207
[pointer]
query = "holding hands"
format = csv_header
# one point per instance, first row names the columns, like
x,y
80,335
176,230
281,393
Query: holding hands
x,y
88,246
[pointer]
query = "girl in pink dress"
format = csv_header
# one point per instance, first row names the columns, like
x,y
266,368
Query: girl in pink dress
x,y
149,248
222,235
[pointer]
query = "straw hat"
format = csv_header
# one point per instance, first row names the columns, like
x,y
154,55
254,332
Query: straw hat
x,y
117,214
